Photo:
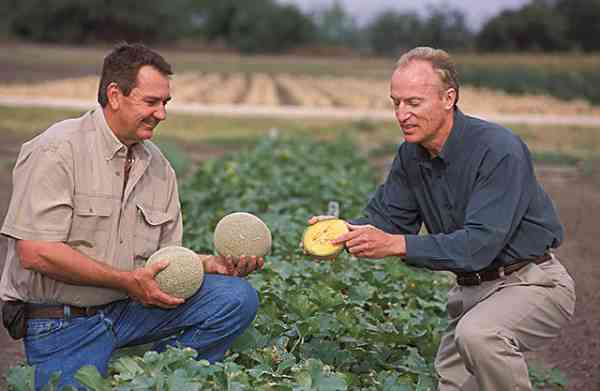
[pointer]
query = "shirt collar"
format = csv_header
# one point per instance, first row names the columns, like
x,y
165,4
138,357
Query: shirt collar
x,y
452,145
111,145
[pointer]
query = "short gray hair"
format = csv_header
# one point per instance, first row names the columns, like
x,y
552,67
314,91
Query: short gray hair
x,y
440,61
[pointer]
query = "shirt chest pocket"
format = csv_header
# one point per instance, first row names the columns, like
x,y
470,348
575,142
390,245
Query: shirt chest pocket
x,y
149,226
92,221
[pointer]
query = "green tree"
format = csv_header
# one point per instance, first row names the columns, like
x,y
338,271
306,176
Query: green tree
x,y
446,28
73,21
253,26
336,27
392,32
535,26
583,22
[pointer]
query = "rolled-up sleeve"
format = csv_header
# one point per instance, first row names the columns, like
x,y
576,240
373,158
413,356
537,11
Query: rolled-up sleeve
x,y
41,206
497,203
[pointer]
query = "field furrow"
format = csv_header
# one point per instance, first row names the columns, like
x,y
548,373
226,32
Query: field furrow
x,y
193,87
72,88
302,92
262,91
230,91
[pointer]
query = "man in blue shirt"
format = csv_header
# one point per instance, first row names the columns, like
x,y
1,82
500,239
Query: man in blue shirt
x,y
489,221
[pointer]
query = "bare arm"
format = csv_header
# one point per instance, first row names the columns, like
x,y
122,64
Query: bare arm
x,y
61,262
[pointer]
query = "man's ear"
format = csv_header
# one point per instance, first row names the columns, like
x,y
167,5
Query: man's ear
x,y
113,93
449,98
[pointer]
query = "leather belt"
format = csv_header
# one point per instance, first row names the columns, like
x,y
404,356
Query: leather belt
x,y
476,278
35,311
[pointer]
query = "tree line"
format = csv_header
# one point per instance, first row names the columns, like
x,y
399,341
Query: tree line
x,y
266,26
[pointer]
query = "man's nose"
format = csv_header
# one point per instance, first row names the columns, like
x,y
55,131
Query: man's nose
x,y
402,114
161,113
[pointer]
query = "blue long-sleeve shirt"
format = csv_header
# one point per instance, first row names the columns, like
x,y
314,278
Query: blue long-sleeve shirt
x,y
479,200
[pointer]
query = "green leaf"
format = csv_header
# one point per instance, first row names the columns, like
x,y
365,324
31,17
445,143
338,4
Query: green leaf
x,y
21,378
90,378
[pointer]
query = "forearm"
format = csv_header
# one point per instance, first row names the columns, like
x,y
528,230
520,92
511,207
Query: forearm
x,y
61,262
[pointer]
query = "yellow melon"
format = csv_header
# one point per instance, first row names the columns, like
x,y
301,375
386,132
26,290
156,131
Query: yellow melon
x,y
317,238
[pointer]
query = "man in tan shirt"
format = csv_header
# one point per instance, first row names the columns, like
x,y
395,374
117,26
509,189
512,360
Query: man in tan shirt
x,y
92,199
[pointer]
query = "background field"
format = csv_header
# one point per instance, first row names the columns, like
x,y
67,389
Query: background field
x,y
567,155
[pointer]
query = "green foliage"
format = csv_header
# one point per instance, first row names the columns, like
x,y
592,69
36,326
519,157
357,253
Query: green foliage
x,y
547,379
555,158
254,26
176,156
335,27
267,26
392,32
531,79
72,21
544,25
21,378
582,19
367,323
348,324
535,26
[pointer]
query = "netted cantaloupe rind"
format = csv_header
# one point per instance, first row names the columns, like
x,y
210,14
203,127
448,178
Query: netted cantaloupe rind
x,y
185,273
317,238
242,233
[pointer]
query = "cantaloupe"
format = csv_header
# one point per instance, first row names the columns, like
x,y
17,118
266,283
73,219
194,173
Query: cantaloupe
x,y
185,273
242,233
317,238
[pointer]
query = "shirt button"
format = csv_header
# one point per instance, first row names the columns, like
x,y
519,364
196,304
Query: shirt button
x,y
121,241
118,173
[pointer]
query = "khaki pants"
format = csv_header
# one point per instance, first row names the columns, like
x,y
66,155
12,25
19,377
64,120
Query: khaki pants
x,y
492,324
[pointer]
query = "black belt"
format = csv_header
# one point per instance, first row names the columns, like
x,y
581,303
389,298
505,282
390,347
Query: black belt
x,y
476,278
35,311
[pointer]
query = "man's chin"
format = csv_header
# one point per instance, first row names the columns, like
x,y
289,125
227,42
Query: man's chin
x,y
411,138
145,134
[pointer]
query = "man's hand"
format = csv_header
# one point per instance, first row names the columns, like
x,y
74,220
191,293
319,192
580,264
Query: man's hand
x,y
367,241
144,288
230,266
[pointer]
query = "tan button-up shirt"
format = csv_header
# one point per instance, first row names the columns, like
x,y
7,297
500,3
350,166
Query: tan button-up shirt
x,y
68,186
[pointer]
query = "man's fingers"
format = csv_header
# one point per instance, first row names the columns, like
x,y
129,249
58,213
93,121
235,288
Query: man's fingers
x,y
359,248
158,266
240,268
346,237
316,219
251,265
165,300
354,227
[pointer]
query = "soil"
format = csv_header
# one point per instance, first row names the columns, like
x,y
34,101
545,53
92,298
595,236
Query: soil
x,y
576,193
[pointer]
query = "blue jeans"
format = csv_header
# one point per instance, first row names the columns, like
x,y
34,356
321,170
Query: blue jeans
x,y
209,322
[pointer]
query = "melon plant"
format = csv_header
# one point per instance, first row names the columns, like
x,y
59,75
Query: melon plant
x,y
317,238
184,274
242,233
